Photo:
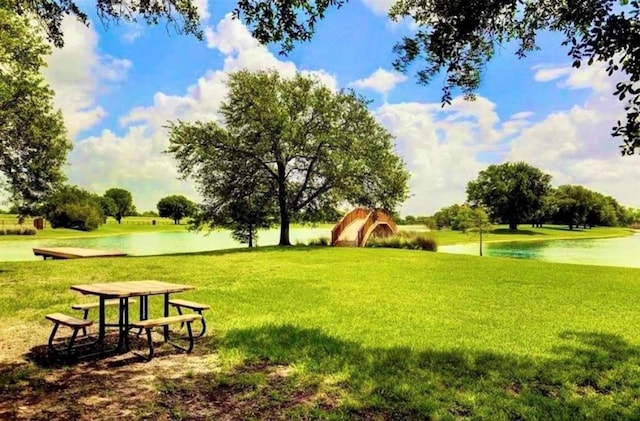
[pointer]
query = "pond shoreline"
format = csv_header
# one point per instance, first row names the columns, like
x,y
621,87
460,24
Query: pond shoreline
x,y
596,237
610,251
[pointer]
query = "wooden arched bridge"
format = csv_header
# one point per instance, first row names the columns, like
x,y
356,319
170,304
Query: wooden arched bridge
x,y
357,226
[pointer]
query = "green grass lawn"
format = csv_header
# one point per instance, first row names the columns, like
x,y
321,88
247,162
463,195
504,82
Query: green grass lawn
x,y
344,333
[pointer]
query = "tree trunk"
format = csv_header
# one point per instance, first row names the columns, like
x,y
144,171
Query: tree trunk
x,y
119,218
284,209
284,229
250,236
513,225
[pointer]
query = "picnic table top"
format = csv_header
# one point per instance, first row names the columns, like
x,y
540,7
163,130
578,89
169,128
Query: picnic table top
x,y
130,288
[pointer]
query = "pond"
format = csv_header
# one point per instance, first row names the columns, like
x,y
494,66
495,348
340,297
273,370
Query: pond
x,y
147,244
624,251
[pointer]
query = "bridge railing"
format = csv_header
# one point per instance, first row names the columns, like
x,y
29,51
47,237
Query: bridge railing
x,y
374,217
357,213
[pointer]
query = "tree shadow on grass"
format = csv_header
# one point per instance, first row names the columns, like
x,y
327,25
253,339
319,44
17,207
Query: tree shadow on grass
x,y
287,372
594,375
566,229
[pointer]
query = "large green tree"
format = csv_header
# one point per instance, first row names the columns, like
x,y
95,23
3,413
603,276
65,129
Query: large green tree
x,y
239,199
307,147
511,192
123,201
574,203
33,140
460,37
73,207
175,207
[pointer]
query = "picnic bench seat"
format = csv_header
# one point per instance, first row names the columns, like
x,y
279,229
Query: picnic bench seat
x,y
88,306
149,324
191,305
69,321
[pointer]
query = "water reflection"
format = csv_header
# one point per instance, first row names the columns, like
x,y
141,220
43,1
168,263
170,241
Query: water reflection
x,y
146,244
623,251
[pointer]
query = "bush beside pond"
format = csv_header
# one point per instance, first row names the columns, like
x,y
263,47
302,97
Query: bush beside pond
x,y
405,240
320,241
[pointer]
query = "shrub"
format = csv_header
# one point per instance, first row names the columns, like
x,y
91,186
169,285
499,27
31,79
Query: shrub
x,y
79,216
406,240
322,241
17,230
75,208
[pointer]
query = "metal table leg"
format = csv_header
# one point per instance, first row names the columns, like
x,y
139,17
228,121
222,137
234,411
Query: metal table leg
x,y
166,314
101,321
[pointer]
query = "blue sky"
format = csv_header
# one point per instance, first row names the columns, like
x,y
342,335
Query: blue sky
x,y
119,86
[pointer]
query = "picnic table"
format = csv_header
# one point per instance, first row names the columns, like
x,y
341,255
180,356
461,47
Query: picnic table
x,y
123,291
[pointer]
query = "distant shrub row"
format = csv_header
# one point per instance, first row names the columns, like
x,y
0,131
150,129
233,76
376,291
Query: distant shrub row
x,y
17,230
405,240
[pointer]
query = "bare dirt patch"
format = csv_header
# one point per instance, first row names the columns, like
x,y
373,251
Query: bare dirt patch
x,y
173,385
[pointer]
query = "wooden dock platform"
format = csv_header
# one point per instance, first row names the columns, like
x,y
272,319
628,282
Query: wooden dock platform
x,y
74,253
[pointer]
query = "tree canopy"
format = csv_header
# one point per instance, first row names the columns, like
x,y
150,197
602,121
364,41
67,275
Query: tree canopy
x,y
33,140
249,204
73,207
576,205
304,148
175,207
181,15
123,202
460,37
285,22
511,192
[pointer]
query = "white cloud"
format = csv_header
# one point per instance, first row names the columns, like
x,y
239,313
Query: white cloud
x,y
76,73
379,7
522,115
203,8
134,161
576,147
133,30
592,77
442,147
381,81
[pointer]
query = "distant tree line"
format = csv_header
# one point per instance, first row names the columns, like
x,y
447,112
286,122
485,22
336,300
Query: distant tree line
x,y
517,193
76,208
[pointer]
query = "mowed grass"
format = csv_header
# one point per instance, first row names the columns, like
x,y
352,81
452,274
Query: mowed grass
x,y
344,333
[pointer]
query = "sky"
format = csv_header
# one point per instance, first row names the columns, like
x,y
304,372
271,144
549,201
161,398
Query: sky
x,y
118,87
